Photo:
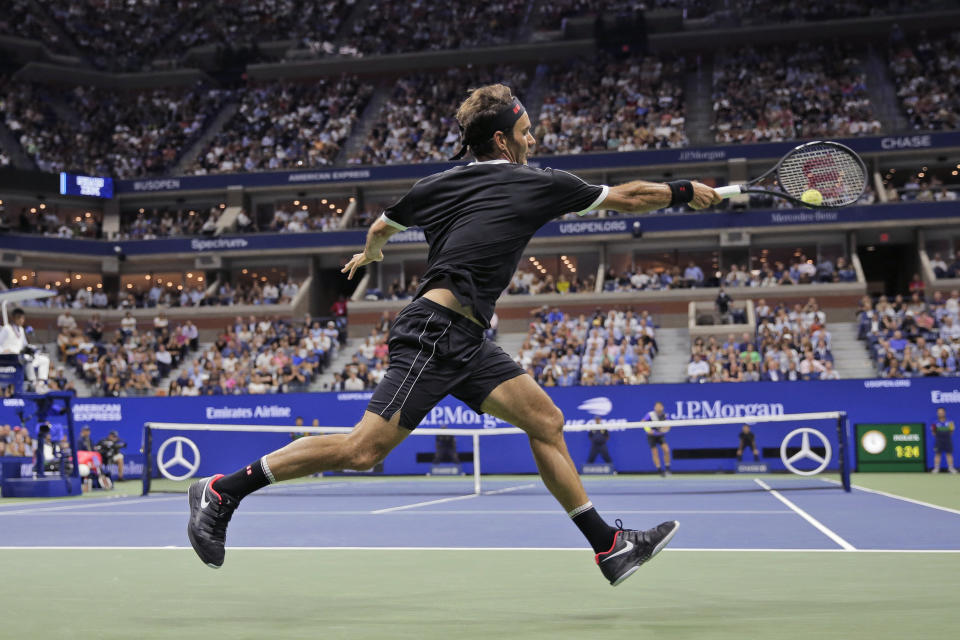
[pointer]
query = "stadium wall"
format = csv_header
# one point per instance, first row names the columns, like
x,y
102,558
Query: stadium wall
x,y
865,401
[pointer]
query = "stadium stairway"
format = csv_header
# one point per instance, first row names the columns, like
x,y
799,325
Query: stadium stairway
x,y
342,359
368,118
345,31
533,97
670,365
63,38
84,390
883,94
511,342
699,104
850,356
11,146
190,155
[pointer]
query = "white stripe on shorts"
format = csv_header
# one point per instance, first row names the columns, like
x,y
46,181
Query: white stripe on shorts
x,y
432,353
420,340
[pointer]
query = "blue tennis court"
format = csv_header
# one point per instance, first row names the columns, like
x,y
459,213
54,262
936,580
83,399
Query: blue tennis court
x,y
715,513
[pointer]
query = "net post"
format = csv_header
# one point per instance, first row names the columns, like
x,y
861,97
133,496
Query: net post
x,y
476,464
146,448
844,445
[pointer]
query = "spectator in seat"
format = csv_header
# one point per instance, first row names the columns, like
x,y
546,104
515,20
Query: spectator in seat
x,y
953,271
939,266
693,275
845,271
825,270
698,370
722,304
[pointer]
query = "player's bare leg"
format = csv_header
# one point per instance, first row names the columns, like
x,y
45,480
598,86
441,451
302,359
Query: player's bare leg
x,y
936,462
666,458
369,443
213,501
521,402
656,457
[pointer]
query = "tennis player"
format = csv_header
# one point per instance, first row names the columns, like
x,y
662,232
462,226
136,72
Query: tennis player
x,y
943,444
656,437
477,220
747,441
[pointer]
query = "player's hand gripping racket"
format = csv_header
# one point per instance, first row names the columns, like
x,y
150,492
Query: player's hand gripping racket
x,y
822,175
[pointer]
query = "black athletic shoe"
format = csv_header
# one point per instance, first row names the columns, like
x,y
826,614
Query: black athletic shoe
x,y
632,548
210,512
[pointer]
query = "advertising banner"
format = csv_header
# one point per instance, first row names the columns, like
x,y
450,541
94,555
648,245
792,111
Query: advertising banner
x,y
911,401
587,161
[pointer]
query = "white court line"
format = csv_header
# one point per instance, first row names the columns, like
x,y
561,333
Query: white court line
x,y
887,494
459,512
525,549
806,516
424,504
86,505
509,489
452,499
48,501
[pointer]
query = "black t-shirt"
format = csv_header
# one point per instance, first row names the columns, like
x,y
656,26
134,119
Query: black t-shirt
x,y
746,439
478,218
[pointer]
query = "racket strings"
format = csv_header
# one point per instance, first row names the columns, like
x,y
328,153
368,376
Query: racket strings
x,y
836,174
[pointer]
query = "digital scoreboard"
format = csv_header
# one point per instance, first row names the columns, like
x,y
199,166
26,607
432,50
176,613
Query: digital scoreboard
x,y
72,184
891,447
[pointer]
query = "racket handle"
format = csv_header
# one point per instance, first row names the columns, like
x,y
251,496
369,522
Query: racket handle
x,y
727,192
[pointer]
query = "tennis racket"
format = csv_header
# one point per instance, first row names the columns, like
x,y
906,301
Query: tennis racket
x,y
831,169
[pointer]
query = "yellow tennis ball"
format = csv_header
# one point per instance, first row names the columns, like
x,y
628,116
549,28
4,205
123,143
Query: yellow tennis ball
x,y
812,196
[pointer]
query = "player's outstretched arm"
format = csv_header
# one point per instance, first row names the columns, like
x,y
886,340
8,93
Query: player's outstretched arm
x,y
641,196
377,237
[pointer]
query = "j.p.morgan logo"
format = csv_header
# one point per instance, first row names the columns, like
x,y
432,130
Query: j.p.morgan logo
x,y
691,409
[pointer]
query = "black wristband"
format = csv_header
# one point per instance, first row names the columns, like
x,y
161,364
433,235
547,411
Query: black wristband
x,y
681,192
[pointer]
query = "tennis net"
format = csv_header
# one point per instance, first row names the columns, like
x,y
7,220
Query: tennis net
x,y
792,448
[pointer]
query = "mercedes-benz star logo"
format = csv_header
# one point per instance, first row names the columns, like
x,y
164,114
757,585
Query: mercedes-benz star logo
x,y
177,459
806,451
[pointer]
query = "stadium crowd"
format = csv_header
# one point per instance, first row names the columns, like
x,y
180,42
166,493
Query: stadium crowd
x,y
54,222
163,222
602,348
941,269
305,21
269,355
128,361
612,104
927,77
790,344
123,134
802,270
417,123
806,91
160,294
397,27
18,19
528,281
750,12
286,125
912,336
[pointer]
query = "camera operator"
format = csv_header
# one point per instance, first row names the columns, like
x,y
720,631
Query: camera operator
x,y
110,450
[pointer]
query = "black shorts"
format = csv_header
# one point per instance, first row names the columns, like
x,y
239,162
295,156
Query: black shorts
x,y
435,352
747,442
943,443
654,439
